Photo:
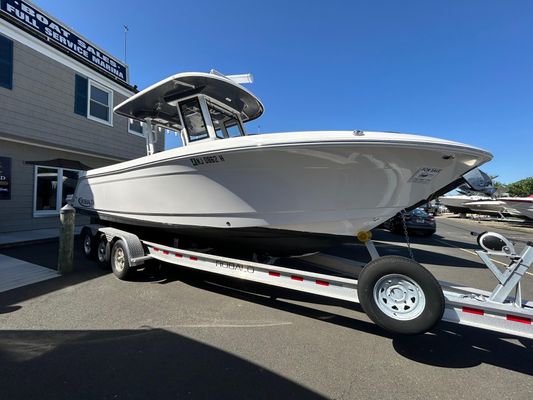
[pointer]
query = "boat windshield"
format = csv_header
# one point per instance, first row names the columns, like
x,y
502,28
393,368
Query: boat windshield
x,y
193,119
226,124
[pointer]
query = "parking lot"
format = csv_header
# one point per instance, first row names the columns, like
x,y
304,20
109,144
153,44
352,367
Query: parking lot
x,y
184,334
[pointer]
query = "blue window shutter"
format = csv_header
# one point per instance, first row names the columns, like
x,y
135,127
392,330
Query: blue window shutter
x,y
6,63
80,95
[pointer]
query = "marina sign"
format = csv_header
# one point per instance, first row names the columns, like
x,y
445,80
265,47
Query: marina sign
x,y
36,20
5,178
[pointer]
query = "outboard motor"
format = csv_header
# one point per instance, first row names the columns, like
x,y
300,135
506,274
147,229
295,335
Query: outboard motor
x,y
479,181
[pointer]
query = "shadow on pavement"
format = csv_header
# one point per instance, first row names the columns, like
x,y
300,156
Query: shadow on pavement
x,y
454,346
45,254
435,257
434,240
133,364
447,345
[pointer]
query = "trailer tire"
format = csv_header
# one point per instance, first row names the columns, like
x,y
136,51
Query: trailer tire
x,y
102,252
400,295
88,244
120,260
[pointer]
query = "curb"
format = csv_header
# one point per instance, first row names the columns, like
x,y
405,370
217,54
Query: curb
x,y
28,242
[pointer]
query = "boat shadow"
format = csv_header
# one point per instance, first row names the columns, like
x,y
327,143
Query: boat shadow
x,y
447,345
434,240
436,255
145,363
454,346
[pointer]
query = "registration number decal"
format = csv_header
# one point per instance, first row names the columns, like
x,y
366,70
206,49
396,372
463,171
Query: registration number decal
x,y
195,161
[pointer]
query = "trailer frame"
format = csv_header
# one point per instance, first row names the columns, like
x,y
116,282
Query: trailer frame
x,y
494,311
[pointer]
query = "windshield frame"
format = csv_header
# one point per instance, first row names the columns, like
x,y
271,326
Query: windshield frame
x,y
205,103
233,115
185,122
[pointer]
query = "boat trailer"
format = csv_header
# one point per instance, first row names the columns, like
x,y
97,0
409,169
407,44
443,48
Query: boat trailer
x,y
397,293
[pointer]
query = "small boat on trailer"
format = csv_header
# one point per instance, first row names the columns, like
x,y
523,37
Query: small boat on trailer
x,y
278,194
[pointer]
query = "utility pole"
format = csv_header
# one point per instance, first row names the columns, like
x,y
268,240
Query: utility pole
x,y
126,29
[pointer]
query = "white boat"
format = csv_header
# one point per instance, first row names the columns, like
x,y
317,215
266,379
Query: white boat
x,y
285,192
523,205
491,206
458,203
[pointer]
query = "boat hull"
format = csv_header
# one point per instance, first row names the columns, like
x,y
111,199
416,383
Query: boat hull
x,y
458,204
308,188
522,205
491,207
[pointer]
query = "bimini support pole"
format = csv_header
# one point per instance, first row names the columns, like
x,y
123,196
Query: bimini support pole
x,y
150,135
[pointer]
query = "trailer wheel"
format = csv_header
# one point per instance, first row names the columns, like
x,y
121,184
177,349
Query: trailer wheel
x,y
400,295
102,252
120,260
88,244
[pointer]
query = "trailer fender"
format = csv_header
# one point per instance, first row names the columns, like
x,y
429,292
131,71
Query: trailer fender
x,y
132,244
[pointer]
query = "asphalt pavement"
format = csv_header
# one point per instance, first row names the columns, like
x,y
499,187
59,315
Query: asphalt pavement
x,y
185,334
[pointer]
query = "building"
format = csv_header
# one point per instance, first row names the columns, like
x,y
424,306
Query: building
x,y
57,93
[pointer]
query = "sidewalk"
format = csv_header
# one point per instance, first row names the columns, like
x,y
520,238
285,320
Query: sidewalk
x,y
15,273
10,239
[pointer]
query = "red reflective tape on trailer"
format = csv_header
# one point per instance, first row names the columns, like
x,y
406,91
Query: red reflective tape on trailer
x,y
178,255
323,283
193,258
165,252
297,278
522,320
274,273
476,311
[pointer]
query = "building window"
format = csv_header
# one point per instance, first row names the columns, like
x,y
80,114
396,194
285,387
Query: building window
x,y
93,100
49,196
100,103
135,127
6,63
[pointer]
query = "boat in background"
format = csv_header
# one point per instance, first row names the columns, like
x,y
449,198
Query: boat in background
x,y
282,193
522,205
458,204
477,187
492,207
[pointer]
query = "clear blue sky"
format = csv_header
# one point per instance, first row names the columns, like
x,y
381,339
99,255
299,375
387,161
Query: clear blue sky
x,y
456,69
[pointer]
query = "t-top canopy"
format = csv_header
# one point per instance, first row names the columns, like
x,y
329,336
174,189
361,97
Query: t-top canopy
x,y
159,100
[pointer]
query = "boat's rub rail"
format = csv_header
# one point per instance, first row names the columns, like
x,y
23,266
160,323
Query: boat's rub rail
x,y
162,158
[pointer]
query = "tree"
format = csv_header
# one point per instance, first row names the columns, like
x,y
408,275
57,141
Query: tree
x,y
521,188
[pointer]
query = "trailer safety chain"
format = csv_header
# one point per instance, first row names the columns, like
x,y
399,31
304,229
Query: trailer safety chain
x,y
406,234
